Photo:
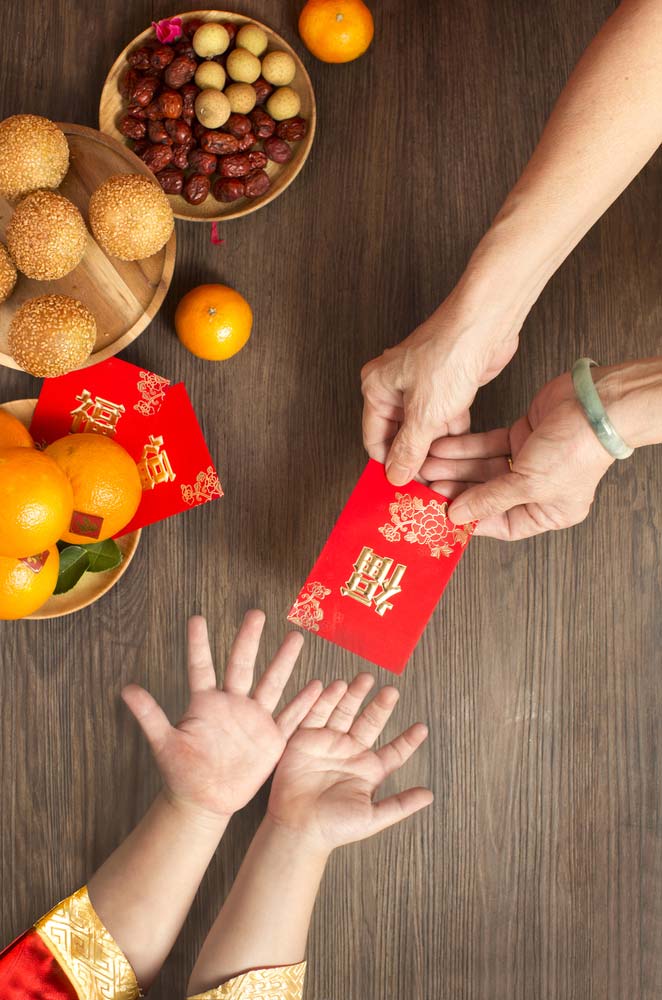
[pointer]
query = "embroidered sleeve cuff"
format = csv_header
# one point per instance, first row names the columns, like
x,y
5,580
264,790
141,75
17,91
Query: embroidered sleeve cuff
x,y
86,952
283,983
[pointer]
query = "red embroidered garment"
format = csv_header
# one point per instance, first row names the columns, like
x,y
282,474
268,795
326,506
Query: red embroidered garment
x,y
29,971
70,955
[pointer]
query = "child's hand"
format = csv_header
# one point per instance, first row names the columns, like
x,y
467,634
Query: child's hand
x,y
228,742
324,785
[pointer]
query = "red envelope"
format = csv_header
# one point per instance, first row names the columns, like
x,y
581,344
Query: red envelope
x,y
113,398
153,420
175,466
382,571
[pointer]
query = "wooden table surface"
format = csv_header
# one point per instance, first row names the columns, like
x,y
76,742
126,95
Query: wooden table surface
x,y
537,875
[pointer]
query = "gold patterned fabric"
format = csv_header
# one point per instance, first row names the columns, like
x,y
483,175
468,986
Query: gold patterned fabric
x,y
284,983
93,962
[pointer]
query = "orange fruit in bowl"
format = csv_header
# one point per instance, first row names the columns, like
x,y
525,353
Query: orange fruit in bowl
x,y
336,31
213,322
36,502
13,434
105,482
26,584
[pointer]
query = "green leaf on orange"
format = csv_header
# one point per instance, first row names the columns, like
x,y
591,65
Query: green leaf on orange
x,y
74,560
103,555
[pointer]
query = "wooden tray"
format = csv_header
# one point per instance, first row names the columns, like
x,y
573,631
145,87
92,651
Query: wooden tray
x,y
123,295
91,586
113,105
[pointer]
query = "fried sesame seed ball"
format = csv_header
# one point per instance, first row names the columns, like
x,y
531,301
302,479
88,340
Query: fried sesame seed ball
x,y
130,216
34,153
51,335
46,236
8,274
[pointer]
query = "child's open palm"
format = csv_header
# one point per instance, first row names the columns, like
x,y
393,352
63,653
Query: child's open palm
x,y
329,773
228,741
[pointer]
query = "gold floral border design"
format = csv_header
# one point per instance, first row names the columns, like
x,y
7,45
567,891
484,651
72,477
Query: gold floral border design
x,y
420,523
306,610
206,487
152,389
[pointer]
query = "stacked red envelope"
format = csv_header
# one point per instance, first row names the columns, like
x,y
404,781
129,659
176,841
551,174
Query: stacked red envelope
x,y
382,571
148,416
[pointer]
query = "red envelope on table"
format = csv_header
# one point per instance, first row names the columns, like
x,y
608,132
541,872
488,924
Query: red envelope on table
x,y
382,571
152,419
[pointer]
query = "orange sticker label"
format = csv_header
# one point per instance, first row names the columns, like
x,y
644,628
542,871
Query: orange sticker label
x,y
36,563
85,524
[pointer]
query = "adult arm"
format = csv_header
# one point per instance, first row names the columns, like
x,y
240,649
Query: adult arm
x,y
605,126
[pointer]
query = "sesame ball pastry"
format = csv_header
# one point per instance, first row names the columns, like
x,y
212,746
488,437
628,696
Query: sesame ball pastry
x,y
130,216
51,335
46,236
34,153
8,274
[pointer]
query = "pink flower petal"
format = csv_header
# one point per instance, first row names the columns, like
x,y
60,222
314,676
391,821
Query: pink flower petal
x,y
168,30
215,238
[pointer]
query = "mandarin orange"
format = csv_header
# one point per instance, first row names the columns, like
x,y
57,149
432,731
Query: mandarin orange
x,y
26,584
336,31
105,482
36,502
213,322
13,434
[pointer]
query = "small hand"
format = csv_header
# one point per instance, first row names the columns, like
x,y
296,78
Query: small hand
x,y
323,787
557,463
228,742
422,388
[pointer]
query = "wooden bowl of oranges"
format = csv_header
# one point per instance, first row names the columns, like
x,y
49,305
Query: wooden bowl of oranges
x,y
220,108
43,513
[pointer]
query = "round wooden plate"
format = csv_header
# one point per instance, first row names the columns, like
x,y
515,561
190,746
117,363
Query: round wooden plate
x,y
113,105
91,586
124,296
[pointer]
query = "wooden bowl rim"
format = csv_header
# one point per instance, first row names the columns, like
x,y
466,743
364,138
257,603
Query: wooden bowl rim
x,y
115,575
143,321
307,142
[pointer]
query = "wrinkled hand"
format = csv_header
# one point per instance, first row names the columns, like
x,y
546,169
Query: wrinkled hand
x,y
557,463
323,787
228,742
423,388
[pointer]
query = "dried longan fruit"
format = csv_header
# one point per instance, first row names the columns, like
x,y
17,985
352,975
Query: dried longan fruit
x,y
243,66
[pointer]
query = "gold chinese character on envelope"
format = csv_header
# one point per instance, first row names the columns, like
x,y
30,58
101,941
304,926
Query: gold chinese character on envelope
x,y
370,583
95,415
154,465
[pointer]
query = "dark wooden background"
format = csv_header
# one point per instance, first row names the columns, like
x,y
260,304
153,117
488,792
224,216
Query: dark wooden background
x,y
538,873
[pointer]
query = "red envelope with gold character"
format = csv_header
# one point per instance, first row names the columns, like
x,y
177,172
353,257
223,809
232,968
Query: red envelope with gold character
x,y
152,419
382,571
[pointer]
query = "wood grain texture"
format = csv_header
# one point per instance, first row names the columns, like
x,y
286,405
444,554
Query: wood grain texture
x,y
537,875
112,106
123,295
